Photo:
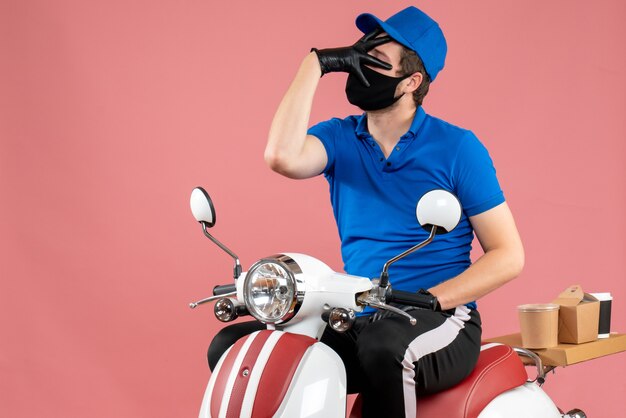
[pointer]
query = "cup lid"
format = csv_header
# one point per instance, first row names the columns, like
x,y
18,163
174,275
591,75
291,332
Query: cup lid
x,y
602,295
538,307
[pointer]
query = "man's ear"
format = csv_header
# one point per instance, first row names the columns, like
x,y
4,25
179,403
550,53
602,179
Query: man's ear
x,y
414,81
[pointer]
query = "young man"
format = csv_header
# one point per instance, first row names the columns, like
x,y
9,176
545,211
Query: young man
x,y
378,165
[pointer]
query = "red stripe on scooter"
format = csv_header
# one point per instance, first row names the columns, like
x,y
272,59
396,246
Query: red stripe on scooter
x,y
222,377
242,379
278,372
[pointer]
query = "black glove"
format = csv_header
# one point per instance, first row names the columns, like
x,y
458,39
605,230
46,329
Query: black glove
x,y
350,58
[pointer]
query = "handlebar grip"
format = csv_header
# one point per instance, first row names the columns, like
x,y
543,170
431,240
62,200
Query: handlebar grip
x,y
420,300
222,289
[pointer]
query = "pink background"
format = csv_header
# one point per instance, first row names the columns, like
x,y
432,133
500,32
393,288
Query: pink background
x,y
112,111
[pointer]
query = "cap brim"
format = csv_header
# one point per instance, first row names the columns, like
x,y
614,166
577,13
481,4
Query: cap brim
x,y
367,22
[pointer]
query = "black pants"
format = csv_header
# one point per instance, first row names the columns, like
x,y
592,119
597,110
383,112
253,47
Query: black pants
x,y
389,361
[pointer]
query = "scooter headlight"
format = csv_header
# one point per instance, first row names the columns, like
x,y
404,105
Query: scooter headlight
x,y
271,290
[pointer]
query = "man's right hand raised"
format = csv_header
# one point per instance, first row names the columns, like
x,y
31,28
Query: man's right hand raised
x,y
350,59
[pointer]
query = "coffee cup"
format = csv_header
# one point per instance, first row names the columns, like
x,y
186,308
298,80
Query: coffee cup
x,y
604,324
539,324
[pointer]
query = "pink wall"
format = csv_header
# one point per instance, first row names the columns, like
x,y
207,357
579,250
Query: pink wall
x,y
112,111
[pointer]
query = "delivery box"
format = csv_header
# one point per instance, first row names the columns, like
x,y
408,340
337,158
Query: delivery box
x,y
578,316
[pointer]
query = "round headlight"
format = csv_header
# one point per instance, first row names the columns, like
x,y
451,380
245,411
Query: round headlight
x,y
270,291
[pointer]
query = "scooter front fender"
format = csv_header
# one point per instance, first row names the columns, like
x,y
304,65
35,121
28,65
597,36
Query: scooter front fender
x,y
276,374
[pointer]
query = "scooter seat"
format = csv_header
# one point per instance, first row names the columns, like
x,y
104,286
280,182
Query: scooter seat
x,y
498,369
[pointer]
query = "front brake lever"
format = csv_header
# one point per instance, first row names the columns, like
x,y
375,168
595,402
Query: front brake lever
x,y
212,298
370,300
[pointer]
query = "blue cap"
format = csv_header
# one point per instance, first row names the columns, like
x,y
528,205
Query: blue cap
x,y
415,30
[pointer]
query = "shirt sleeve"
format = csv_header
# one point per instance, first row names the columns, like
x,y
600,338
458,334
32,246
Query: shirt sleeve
x,y
326,132
477,186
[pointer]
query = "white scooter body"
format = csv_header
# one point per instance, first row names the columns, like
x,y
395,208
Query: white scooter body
x,y
528,400
318,386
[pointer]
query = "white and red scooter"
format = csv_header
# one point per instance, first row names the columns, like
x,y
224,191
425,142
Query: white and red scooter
x,y
285,371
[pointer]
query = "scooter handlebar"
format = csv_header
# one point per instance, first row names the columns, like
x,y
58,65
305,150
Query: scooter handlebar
x,y
421,299
223,289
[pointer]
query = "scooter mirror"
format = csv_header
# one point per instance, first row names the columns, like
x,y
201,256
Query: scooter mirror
x,y
439,208
202,207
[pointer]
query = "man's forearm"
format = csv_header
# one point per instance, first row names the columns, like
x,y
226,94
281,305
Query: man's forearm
x,y
289,126
492,270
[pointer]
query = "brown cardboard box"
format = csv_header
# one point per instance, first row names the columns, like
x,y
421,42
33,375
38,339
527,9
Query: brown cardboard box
x,y
578,316
566,354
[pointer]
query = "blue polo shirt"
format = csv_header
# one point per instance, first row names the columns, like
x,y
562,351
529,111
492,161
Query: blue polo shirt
x,y
374,198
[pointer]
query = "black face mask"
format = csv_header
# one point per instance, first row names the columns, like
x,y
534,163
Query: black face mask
x,y
380,93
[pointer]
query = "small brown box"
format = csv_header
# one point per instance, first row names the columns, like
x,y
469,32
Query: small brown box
x,y
578,316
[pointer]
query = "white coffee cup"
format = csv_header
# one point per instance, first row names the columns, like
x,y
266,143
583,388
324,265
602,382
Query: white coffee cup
x,y
604,324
